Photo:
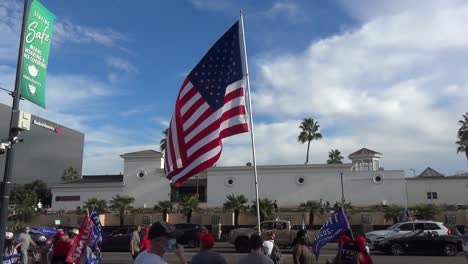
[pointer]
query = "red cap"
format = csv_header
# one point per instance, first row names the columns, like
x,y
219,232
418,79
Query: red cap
x,y
207,239
60,233
344,239
360,240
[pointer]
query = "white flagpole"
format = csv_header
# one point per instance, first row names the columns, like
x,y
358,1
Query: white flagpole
x,y
252,137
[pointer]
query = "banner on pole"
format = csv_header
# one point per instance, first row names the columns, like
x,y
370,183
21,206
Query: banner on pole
x,y
37,38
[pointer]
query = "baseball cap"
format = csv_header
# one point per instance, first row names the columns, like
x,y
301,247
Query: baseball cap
x,y
207,239
8,235
161,228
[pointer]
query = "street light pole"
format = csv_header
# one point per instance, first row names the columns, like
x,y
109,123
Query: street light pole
x,y
342,191
12,137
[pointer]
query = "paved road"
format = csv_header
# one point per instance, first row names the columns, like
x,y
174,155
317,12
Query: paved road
x,y
124,258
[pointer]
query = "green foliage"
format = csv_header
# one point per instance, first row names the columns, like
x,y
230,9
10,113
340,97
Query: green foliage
x,y
99,204
121,203
235,203
164,206
266,207
162,143
311,207
426,211
42,192
334,156
189,204
462,135
70,174
393,211
310,131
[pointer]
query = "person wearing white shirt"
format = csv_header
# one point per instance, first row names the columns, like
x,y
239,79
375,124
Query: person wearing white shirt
x,y
269,243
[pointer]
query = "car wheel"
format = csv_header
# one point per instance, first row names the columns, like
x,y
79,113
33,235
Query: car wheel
x,y
242,245
450,250
397,250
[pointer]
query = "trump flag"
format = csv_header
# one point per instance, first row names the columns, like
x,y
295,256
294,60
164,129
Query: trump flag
x,y
210,106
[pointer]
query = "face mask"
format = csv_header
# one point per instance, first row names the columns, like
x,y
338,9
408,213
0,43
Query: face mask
x,y
170,245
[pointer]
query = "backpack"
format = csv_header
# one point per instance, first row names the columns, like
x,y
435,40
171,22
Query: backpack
x,y
275,254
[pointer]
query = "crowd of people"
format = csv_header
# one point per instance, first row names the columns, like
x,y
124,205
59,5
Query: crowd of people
x,y
23,250
161,238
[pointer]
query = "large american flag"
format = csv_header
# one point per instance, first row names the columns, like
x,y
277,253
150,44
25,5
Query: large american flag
x,y
210,106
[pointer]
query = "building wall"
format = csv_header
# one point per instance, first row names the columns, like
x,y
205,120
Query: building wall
x,y
150,189
45,153
282,183
449,191
84,191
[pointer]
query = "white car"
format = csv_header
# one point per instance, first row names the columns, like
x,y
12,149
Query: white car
x,y
406,227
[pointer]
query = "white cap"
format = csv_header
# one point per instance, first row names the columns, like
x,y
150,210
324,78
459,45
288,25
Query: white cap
x,y
8,235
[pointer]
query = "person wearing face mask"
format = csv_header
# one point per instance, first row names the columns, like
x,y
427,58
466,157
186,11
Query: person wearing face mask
x,y
163,238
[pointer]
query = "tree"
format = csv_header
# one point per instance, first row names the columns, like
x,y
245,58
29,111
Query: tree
x,y
462,135
99,204
426,211
70,174
24,201
165,207
334,156
392,211
265,206
235,203
189,204
310,131
121,203
42,191
311,207
162,143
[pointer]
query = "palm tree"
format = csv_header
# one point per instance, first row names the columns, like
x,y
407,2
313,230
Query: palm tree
x,y
311,207
235,203
70,174
189,204
266,207
462,135
99,204
310,131
334,156
165,207
393,212
162,143
121,203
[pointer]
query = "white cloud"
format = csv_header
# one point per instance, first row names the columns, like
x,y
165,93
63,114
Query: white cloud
x,y
288,9
66,31
211,5
121,65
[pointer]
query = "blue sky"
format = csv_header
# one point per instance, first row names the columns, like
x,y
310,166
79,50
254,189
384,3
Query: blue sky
x,y
389,76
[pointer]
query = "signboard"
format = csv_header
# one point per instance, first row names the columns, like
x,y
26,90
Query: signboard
x,y
46,126
37,39
57,222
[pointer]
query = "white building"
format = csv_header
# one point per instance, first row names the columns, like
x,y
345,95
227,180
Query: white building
x,y
364,183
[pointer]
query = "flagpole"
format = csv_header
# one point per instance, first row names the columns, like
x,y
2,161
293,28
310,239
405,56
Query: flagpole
x,y
252,137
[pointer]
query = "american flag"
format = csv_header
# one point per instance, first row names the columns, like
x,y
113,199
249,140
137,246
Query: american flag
x,y
210,106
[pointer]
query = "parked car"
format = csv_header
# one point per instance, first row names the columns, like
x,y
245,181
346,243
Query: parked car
x,y
285,234
119,239
404,228
191,232
420,241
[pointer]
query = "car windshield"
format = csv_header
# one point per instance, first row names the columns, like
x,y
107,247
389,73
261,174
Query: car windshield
x,y
393,227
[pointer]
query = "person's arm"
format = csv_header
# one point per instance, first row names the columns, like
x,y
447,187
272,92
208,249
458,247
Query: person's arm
x,y
179,251
132,242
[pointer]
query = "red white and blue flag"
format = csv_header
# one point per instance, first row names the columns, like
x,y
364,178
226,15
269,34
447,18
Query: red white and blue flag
x,y
210,106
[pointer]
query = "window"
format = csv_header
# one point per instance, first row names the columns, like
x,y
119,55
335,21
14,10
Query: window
x,y
419,226
429,195
67,198
367,219
451,219
267,226
431,226
406,227
280,226
215,219
434,195
147,220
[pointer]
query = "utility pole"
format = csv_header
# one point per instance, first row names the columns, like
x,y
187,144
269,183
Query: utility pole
x,y
12,137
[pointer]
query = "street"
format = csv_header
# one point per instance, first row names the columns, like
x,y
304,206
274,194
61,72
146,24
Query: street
x,y
327,252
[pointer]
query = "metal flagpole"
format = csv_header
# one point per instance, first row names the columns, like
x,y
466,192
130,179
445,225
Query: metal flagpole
x,y
252,137
12,138
343,203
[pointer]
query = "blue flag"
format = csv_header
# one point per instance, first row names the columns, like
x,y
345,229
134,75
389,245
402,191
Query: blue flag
x,y
94,250
332,229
